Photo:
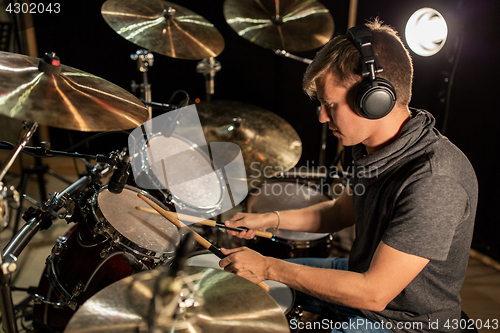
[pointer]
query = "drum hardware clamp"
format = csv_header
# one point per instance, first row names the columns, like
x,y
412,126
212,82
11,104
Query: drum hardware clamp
x,y
38,299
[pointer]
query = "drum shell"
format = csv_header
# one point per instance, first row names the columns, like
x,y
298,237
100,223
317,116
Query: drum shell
x,y
86,260
71,265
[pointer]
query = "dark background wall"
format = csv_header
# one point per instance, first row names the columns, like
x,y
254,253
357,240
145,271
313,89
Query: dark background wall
x,y
254,75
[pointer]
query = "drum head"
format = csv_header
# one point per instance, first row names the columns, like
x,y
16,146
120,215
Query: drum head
x,y
286,195
147,230
280,292
204,192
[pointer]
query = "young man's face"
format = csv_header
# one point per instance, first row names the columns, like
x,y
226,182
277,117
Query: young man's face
x,y
338,111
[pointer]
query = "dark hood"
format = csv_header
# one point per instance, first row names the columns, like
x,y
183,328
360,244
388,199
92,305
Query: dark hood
x,y
417,133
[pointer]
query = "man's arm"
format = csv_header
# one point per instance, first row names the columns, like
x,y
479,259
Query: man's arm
x,y
390,272
330,216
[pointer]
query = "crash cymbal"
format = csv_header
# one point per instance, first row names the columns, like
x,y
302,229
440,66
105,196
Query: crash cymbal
x,y
163,27
268,143
292,25
226,303
72,99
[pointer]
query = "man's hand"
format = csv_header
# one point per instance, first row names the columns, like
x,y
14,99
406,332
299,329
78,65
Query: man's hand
x,y
252,222
246,263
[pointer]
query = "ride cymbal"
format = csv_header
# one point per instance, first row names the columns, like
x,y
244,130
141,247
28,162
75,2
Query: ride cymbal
x,y
228,303
268,143
291,25
164,27
71,99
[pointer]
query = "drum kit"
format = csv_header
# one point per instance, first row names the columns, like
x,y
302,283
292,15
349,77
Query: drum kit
x,y
117,269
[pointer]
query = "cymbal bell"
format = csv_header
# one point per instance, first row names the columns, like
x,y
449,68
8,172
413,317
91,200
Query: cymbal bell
x,y
268,143
291,25
227,303
164,27
72,99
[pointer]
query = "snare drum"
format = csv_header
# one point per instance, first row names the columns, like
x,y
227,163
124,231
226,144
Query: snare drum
x,y
89,258
202,196
281,293
286,194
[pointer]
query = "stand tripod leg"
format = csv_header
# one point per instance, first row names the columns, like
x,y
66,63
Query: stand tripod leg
x,y
7,307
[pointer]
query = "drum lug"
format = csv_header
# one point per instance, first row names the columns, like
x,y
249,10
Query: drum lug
x,y
292,249
59,247
295,313
106,251
99,228
78,289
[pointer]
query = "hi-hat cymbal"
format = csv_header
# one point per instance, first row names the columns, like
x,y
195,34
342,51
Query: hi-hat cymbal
x,y
292,25
164,27
72,99
229,303
268,143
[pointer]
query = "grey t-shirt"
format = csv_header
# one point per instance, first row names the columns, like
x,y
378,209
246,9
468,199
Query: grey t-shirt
x,y
419,196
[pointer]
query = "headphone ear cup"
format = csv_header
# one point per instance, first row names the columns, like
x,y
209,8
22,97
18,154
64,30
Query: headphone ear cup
x,y
375,99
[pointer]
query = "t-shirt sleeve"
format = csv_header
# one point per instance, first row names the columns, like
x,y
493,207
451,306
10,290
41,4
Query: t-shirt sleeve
x,y
425,217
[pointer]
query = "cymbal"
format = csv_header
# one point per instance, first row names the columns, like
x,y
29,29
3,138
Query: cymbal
x,y
72,99
292,25
268,143
164,27
229,303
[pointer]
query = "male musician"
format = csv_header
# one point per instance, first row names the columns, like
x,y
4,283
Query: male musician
x,y
413,209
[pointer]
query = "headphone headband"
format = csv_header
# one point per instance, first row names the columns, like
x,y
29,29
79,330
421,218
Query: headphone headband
x,y
375,97
362,39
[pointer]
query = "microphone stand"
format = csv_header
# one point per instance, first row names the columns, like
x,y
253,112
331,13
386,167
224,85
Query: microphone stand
x,y
324,127
209,67
144,60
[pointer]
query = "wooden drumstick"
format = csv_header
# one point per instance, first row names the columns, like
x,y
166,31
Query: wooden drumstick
x,y
209,223
184,217
202,241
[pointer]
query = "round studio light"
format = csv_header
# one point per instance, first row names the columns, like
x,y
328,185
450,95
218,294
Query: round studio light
x,y
426,32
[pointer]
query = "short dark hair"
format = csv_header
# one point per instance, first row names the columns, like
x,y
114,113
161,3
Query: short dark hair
x,y
341,58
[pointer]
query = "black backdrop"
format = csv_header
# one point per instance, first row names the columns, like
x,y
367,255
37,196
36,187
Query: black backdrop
x,y
254,75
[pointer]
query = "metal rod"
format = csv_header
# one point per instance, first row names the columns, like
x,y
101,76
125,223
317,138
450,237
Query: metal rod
x,y
286,54
25,135
24,236
7,307
353,10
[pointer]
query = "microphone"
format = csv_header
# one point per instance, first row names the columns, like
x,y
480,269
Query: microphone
x,y
120,176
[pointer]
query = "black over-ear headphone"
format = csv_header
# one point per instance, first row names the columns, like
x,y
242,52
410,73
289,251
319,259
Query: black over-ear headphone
x,y
374,97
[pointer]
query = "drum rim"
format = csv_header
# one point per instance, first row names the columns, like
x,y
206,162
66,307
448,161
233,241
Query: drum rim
x,y
116,239
303,244
174,199
298,243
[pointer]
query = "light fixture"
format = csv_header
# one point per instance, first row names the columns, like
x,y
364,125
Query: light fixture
x,y
426,32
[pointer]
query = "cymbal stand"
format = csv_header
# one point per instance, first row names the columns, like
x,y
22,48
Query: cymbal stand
x,y
208,67
144,60
324,127
27,131
322,148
